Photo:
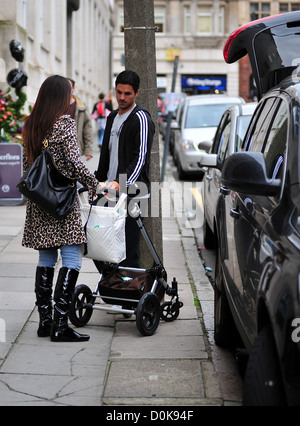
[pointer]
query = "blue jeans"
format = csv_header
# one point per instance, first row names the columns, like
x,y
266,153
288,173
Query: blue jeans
x,y
71,257
100,137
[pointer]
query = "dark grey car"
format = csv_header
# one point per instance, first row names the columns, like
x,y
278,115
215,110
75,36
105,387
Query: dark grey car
x,y
257,282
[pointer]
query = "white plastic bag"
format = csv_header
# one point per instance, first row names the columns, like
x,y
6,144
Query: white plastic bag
x,y
105,230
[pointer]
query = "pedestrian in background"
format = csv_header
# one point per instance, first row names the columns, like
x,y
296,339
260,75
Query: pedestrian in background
x,y
78,111
126,153
49,122
100,113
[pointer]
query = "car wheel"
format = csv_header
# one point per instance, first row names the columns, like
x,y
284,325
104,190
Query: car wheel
x,y
225,332
181,173
263,383
208,236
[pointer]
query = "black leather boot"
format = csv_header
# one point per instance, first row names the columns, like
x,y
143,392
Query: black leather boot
x,y
43,291
64,290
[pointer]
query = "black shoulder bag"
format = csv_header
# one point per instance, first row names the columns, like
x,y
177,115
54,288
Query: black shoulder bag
x,y
47,187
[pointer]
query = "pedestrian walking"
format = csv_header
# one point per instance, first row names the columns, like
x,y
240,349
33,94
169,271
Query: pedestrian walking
x,y
78,111
49,122
100,112
125,153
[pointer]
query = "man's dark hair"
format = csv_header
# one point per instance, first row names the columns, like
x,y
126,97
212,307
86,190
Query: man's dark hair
x,y
129,77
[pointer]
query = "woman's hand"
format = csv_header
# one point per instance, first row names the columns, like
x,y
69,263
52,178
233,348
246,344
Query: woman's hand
x,y
100,187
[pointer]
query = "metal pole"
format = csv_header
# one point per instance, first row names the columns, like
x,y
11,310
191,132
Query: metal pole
x,y
169,119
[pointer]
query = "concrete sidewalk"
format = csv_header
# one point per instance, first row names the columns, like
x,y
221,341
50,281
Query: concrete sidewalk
x,y
179,365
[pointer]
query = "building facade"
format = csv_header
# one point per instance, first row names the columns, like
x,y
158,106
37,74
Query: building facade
x,y
196,31
66,37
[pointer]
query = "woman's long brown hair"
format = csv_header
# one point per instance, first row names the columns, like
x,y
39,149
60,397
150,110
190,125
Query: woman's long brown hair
x,y
52,102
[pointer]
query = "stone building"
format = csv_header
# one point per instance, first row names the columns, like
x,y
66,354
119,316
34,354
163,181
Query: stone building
x,y
66,37
196,31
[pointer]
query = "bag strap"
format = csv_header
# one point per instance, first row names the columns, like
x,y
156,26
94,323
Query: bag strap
x,y
121,203
65,159
84,228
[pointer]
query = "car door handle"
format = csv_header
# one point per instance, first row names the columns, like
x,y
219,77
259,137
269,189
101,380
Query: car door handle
x,y
235,213
224,191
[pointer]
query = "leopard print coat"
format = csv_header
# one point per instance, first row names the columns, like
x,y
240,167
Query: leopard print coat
x,y
42,230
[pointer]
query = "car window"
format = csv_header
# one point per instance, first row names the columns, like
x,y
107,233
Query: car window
x,y
275,52
242,124
180,120
256,134
224,146
199,116
272,141
218,140
275,146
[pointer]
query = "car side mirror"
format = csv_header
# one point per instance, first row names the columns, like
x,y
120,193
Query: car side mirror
x,y
175,125
205,146
208,160
246,172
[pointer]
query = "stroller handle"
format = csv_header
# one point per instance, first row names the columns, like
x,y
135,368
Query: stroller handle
x,y
104,191
135,209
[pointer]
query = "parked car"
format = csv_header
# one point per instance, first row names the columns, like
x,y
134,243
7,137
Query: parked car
x,y
198,122
175,127
257,281
169,103
228,139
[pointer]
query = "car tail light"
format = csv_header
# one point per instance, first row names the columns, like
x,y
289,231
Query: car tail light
x,y
236,32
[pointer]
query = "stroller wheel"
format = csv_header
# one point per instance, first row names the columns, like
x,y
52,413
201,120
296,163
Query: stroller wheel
x,y
169,311
148,314
80,313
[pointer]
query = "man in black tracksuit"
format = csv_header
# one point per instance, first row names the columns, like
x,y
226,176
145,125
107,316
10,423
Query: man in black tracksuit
x,y
125,155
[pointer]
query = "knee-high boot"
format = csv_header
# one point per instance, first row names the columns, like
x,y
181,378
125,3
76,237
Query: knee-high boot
x,y
64,290
43,291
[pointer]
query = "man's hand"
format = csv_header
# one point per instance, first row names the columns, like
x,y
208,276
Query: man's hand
x,y
113,185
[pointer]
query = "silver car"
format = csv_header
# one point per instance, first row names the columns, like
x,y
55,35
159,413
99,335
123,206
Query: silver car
x,y
228,139
198,122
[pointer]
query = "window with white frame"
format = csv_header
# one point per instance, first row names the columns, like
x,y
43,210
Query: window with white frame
x,y
206,22
259,10
187,24
21,13
41,21
221,19
288,7
204,19
121,19
160,18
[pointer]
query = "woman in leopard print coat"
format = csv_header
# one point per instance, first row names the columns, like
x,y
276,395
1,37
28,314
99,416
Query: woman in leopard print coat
x,y
49,122
42,230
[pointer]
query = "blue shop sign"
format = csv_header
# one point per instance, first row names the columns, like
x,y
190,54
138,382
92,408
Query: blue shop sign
x,y
204,82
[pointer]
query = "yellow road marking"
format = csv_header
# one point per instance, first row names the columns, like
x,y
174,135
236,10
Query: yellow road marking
x,y
198,197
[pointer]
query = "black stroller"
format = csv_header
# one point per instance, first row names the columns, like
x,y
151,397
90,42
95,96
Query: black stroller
x,y
131,291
